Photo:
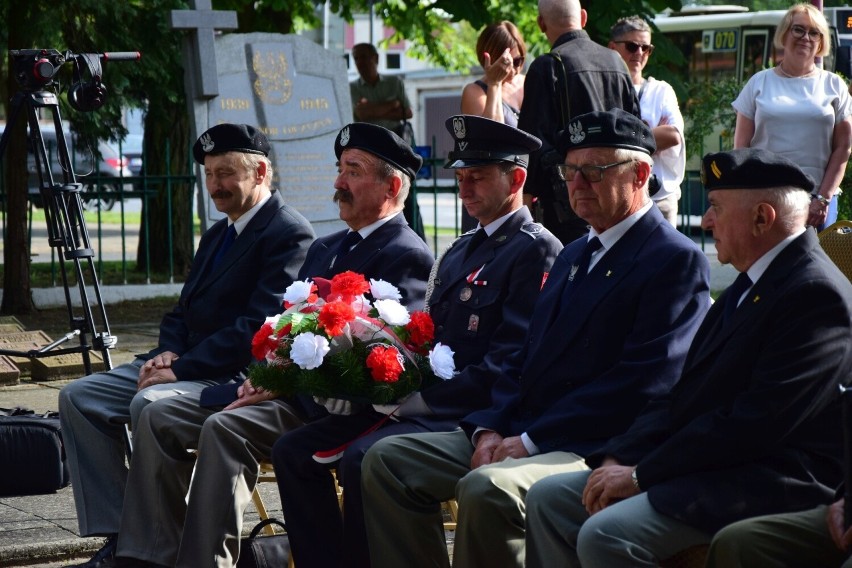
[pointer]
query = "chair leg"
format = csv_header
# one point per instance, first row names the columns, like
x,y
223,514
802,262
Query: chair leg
x,y
452,508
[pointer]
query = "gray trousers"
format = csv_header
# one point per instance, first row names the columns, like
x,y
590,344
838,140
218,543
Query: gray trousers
x,y
93,411
798,540
168,520
627,534
404,480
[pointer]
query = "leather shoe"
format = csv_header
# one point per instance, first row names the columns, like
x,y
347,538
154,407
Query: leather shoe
x,y
103,558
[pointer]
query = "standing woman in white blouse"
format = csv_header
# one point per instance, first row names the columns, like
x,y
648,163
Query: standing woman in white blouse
x,y
800,111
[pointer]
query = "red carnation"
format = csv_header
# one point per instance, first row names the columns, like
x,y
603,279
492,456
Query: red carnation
x,y
347,285
263,342
421,330
334,316
384,364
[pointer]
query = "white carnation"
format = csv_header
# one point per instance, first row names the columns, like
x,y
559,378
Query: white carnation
x,y
392,312
308,350
298,291
441,361
382,290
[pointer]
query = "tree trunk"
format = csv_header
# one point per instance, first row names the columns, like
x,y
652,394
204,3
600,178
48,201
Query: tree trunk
x,y
17,289
167,141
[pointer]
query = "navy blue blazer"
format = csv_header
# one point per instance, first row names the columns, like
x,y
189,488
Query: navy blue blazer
x,y
220,309
486,321
619,340
393,253
753,427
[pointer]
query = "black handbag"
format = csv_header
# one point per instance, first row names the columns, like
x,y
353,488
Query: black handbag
x,y
264,551
31,452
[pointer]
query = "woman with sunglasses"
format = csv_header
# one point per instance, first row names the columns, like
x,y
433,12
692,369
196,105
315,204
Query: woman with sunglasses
x,y
800,111
499,93
631,38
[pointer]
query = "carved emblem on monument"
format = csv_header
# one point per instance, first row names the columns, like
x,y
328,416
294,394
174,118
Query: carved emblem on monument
x,y
272,85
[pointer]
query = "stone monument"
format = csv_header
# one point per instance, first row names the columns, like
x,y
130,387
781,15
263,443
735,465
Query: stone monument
x,y
293,89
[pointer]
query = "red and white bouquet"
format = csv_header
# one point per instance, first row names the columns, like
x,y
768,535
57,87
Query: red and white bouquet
x,y
331,341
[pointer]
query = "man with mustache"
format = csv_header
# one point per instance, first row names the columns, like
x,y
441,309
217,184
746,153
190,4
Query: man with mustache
x,y
242,267
166,521
481,299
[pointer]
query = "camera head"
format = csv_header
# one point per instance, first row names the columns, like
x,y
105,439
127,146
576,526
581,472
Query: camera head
x,y
36,69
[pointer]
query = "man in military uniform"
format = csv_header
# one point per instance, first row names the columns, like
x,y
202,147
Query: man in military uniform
x,y
481,298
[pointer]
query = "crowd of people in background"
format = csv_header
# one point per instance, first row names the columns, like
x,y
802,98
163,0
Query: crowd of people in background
x,y
604,410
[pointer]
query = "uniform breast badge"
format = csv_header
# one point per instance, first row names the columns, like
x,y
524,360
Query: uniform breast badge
x,y
473,323
465,294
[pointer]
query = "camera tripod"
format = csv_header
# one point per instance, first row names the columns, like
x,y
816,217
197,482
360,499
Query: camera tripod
x,y
66,227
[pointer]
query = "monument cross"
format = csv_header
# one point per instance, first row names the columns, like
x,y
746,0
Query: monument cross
x,y
204,21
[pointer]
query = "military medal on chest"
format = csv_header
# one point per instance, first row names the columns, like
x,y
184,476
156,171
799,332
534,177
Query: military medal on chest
x,y
467,292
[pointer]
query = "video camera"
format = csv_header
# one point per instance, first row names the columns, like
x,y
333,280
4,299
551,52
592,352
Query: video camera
x,y
35,70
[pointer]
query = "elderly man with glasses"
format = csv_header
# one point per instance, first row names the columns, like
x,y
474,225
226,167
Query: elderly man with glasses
x,y
631,38
608,332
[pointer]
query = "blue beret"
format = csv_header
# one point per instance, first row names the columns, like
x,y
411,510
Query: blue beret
x,y
614,128
230,138
478,141
752,168
380,142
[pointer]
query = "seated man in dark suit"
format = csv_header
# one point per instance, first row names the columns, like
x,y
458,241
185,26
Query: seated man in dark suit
x,y
609,331
753,425
169,522
242,267
482,297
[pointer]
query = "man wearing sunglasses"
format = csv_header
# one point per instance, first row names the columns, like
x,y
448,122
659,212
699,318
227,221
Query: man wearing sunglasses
x,y
578,76
631,38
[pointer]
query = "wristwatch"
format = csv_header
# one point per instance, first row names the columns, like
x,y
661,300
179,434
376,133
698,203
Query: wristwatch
x,y
635,480
824,200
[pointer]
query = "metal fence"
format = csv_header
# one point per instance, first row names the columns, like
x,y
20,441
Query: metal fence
x,y
115,223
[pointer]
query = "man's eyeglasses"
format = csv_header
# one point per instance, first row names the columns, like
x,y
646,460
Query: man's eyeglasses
x,y
633,47
800,31
592,174
517,61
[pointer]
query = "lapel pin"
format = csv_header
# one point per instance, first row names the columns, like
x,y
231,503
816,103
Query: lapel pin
x,y
501,238
608,273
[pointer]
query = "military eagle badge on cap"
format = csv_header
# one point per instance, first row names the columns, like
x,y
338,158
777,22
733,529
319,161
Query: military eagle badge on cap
x,y
459,128
344,136
576,131
206,142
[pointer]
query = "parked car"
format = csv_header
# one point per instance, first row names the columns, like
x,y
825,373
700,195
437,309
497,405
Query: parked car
x,y
131,148
95,173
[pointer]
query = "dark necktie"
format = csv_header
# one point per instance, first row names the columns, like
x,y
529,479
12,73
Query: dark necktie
x,y
477,239
579,270
351,239
740,285
227,241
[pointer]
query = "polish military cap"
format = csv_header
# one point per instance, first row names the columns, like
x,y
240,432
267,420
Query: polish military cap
x,y
752,168
380,142
614,128
479,141
230,138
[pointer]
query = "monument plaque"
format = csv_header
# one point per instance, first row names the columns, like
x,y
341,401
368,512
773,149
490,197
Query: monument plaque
x,y
66,366
9,372
297,93
23,341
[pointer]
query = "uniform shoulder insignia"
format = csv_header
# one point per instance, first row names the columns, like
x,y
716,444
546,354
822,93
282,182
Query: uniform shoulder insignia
x,y
469,233
532,229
